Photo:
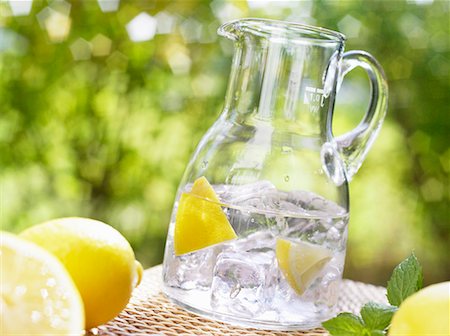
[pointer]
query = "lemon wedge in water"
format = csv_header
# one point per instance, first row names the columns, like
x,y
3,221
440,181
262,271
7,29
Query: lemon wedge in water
x,y
200,221
300,262
38,296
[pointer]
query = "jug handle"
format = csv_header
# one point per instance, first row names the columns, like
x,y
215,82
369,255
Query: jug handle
x,y
354,145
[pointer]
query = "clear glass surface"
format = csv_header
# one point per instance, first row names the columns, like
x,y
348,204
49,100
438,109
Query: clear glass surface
x,y
279,175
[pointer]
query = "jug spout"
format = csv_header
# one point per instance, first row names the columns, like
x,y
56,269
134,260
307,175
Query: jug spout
x,y
229,30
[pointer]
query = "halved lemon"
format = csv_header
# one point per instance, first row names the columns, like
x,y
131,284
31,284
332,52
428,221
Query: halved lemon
x,y
200,221
38,296
300,262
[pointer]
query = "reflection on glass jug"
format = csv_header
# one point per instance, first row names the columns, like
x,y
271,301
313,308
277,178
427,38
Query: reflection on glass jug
x,y
259,226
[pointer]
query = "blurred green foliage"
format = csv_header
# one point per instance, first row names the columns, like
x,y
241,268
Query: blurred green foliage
x,y
95,124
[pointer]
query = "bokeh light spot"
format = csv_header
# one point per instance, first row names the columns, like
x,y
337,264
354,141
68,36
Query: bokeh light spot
x,y
56,23
400,68
439,65
81,50
117,61
432,190
101,45
142,28
165,23
412,28
225,11
421,2
108,5
178,59
20,8
350,26
12,42
191,30
256,4
204,85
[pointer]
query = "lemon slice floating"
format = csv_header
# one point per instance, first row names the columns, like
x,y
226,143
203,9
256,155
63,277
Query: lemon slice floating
x,y
38,296
301,262
200,223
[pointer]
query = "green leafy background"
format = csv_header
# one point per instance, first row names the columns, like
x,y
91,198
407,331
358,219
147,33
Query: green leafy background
x,y
95,124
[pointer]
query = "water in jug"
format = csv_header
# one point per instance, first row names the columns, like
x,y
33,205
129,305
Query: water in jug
x,y
259,225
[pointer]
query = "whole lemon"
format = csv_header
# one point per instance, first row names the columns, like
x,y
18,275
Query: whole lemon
x,y
99,259
424,313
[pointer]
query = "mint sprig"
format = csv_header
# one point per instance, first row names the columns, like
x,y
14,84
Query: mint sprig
x,y
345,324
406,279
377,316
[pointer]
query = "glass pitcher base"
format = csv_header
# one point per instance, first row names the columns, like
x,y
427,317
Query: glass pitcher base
x,y
198,303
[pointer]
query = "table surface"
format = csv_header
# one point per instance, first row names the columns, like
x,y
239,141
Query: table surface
x,y
150,312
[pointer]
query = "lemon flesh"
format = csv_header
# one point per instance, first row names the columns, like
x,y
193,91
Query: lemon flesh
x,y
200,222
38,296
300,262
426,312
99,259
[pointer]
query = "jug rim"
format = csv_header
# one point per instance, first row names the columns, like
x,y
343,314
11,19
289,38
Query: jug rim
x,y
274,29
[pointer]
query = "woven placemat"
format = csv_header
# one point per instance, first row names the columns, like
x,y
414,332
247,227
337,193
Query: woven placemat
x,y
149,312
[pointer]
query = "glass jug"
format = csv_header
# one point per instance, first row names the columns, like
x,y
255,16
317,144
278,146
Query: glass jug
x,y
259,226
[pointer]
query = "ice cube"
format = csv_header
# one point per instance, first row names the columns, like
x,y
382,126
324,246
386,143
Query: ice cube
x,y
264,196
247,221
328,294
242,283
248,194
313,204
287,297
333,234
260,241
191,271
324,290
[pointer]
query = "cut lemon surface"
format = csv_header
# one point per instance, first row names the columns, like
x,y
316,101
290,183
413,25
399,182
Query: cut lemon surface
x,y
38,296
300,262
199,221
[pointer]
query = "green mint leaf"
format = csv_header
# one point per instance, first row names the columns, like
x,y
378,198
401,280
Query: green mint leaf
x,y
377,316
377,333
406,279
345,324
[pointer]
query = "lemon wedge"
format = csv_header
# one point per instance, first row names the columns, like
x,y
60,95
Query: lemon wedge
x,y
200,221
38,296
300,262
